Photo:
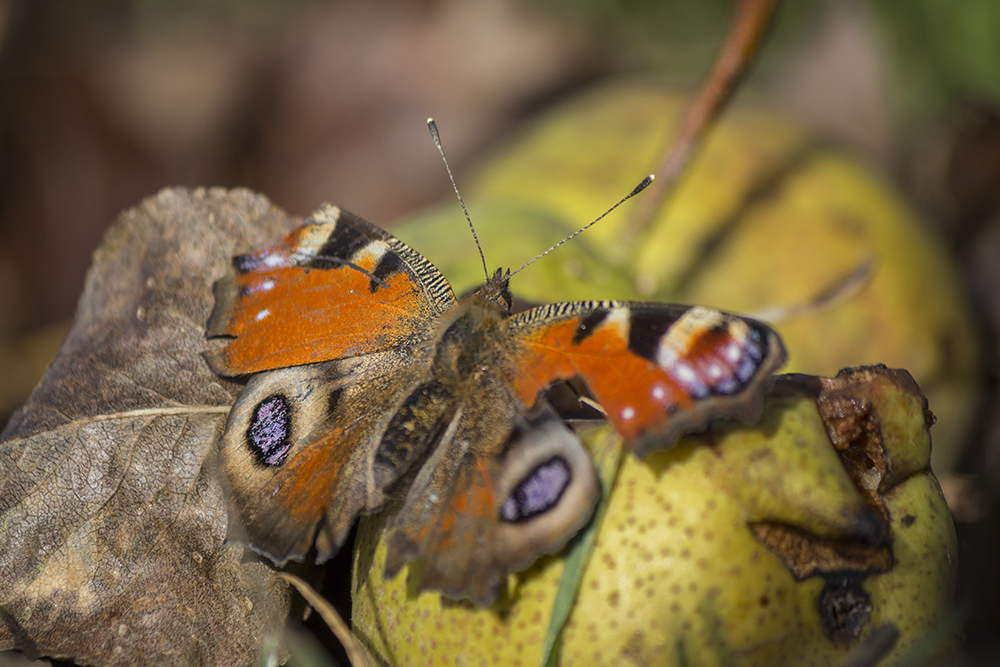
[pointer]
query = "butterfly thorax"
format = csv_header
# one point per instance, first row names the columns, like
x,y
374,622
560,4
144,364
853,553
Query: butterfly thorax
x,y
468,338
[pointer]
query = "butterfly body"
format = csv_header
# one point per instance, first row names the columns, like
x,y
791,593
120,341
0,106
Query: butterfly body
x,y
371,381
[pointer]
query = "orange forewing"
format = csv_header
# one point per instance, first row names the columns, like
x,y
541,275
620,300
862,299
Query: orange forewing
x,y
634,392
298,321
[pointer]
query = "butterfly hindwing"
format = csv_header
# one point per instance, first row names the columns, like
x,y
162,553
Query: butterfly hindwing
x,y
504,486
300,453
659,371
337,287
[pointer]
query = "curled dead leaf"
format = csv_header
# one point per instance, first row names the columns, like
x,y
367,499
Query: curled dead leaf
x,y
112,518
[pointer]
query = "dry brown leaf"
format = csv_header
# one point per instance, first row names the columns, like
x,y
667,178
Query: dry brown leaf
x,y
112,517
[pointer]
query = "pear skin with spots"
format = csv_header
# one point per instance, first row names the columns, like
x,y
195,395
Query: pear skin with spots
x,y
742,547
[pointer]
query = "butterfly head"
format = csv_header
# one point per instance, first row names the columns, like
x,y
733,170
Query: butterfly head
x,y
497,290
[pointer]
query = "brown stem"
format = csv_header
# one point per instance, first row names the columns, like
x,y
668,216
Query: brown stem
x,y
750,21
342,631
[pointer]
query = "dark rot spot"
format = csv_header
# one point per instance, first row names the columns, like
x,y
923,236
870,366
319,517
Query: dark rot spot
x,y
538,492
909,520
269,430
844,607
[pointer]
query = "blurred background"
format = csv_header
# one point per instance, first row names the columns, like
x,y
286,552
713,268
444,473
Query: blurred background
x,y
102,103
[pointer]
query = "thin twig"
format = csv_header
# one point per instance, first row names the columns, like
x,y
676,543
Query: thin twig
x,y
331,617
834,294
750,21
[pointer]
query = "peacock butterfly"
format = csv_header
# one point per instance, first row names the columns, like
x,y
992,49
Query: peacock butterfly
x,y
369,378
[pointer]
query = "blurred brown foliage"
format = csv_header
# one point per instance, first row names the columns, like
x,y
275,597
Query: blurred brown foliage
x,y
102,106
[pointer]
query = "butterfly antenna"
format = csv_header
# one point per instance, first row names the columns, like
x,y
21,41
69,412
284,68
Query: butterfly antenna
x,y
639,188
432,126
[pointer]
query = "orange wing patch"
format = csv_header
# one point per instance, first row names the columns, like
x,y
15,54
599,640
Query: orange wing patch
x,y
656,374
336,287
634,392
296,316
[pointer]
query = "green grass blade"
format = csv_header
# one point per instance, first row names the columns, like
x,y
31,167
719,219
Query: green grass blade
x,y
607,457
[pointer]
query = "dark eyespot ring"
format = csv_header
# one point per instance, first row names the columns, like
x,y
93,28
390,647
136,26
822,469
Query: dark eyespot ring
x,y
268,435
539,492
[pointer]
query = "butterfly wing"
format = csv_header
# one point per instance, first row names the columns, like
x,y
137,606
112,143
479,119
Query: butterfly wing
x,y
335,323
298,455
504,486
659,370
337,287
